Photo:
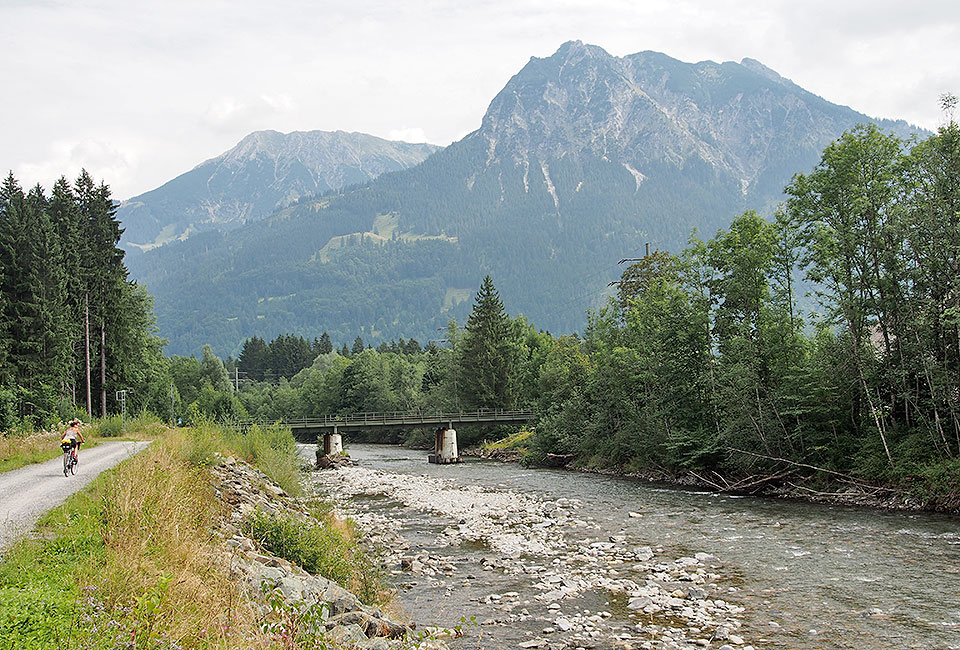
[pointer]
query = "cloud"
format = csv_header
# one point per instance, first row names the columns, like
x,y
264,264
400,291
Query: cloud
x,y
414,134
179,82
233,114
101,157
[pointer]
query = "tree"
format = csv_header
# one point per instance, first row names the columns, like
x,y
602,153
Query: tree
x,y
325,346
487,358
357,346
254,358
212,370
845,211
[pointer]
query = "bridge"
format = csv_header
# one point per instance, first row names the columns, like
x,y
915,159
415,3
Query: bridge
x,y
445,446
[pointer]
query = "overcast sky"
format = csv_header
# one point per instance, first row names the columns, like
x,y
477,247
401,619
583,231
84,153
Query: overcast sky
x,y
139,92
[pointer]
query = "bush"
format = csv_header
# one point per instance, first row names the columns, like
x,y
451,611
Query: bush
x,y
327,547
109,427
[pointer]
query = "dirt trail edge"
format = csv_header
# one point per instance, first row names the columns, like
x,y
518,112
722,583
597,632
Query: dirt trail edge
x,y
28,492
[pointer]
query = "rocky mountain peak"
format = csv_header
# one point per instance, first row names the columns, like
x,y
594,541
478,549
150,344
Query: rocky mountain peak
x,y
265,171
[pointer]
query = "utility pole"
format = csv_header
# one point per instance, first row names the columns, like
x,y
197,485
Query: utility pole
x,y
121,395
171,404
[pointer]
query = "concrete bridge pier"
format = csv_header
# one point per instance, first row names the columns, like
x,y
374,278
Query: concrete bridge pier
x,y
445,447
332,443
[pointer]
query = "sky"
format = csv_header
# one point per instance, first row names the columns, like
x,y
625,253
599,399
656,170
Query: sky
x,y
138,92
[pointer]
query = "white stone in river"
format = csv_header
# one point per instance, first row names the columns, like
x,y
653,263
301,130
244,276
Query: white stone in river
x,y
735,640
563,624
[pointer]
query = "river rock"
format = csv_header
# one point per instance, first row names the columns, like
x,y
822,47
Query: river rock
x,y
559,561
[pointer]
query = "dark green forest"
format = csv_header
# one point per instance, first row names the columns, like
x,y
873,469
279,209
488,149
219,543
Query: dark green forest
x,y
73,328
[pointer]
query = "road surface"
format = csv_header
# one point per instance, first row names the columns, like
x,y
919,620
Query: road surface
x,y
28,492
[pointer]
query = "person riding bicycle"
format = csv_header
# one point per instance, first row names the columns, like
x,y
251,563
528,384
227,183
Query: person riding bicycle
x,y
72,439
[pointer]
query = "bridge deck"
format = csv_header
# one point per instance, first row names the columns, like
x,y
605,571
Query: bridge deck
x,y
339,423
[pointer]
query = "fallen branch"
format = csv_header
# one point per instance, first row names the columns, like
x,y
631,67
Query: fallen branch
x,y
708,482
845,477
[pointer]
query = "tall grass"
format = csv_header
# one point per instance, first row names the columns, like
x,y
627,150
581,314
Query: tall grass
x,y
272,450
19,448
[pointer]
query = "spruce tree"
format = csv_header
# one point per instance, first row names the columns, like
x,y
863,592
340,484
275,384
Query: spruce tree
x,y
68,223
254,358
326,347
487,356
104,276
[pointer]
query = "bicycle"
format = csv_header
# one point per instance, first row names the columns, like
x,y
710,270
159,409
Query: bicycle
x,y
70,459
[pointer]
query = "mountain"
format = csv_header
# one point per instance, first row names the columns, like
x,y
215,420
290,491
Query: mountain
x,y
580,160
267,170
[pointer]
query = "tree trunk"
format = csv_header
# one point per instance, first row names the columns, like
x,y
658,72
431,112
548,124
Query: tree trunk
x,y
103,369
86,346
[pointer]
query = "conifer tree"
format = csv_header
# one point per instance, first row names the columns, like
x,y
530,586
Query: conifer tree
x,y
104,274
325,347
486,358
254,358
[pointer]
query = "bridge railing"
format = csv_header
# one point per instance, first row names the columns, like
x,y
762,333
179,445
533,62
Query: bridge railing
x,y
398,418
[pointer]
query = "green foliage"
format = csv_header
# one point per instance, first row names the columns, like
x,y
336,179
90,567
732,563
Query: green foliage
x,y
488,357
704,364
318,546
110,427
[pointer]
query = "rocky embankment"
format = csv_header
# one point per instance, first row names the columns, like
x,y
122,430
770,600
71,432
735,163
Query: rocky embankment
x,y
268,579
550,552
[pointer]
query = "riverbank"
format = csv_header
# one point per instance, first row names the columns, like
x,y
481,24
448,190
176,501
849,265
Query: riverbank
x,y
937,489
533,571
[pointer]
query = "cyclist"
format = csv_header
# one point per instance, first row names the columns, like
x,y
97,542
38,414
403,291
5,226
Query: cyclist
x,y
71,441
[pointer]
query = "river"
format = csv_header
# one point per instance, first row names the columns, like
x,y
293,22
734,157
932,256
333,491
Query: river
x,y
806,576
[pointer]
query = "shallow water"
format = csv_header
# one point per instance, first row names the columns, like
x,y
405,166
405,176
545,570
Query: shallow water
x,y
809,576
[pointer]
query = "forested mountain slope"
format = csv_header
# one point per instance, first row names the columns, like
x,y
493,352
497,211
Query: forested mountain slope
x,y
267,170
581,159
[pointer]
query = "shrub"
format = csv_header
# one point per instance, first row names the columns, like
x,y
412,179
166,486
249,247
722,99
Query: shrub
x,y
327,547
109,427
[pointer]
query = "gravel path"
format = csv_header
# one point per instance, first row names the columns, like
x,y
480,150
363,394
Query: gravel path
x,y
28,492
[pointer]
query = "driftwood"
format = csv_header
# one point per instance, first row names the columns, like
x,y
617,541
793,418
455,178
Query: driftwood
x,y
845,478
557,460
744,484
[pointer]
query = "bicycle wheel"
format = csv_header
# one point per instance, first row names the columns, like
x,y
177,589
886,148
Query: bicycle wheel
x,y
73,465
66,462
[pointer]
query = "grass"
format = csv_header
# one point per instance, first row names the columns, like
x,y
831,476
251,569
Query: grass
x,y
131,561
271,449
517,442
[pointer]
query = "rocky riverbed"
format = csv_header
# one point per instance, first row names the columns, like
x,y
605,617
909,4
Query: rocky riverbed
x,y
533,572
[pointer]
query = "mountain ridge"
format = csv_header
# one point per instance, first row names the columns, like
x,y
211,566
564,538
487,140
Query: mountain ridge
x,y
579,160
263,172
